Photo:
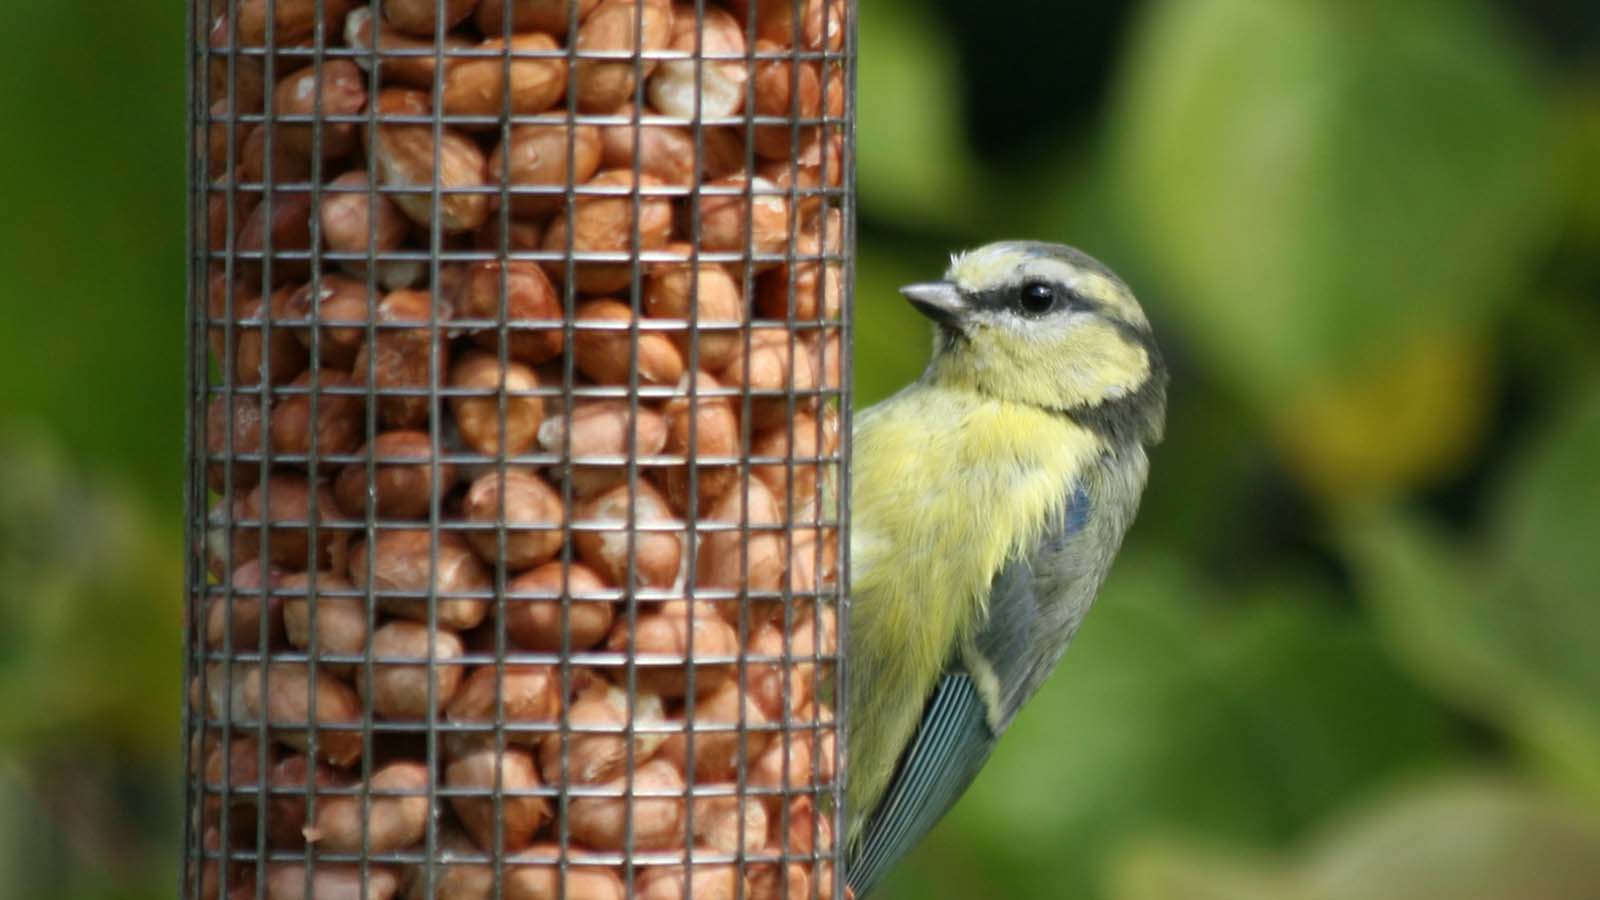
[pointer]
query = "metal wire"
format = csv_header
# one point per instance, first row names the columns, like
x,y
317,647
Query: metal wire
x,y
313,357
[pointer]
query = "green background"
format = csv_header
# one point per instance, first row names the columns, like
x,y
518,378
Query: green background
x,y
1350,650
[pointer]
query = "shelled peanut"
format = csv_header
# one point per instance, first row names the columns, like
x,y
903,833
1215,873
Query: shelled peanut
x,y
536,450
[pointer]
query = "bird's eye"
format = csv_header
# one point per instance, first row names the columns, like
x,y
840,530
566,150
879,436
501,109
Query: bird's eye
x,y
1037,298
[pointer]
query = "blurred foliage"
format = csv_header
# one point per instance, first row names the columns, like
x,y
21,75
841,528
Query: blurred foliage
x,y
1349,651
1464,838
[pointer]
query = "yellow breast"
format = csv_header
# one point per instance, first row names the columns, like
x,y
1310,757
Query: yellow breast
x,y
947,486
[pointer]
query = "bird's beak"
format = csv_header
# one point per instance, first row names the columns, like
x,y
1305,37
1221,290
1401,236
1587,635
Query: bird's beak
x,y
940,301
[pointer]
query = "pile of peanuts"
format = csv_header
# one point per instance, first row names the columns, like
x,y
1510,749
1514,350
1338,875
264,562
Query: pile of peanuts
x,y
521,544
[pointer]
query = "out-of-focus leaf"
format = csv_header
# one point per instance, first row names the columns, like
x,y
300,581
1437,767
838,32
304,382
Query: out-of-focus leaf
x,y
92,608
1509,631
1162,869
1171,709
1398,422
1581,108
1462,839
92,269
892,341
914,166
1319,182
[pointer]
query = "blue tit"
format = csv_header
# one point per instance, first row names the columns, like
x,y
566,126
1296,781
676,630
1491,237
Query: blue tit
x,y
988,500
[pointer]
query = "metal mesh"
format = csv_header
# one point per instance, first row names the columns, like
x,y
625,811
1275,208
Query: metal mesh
x,y
518,404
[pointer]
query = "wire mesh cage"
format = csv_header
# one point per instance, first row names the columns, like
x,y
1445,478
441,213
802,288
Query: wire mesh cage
x,y
518,405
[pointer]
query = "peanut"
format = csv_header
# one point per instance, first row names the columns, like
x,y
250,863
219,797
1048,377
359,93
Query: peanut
x,y
705,431
402,478
794,90
396,818
537,617
479,378
526,694
403,670
748,551
818,287
340,621
287,705
286,223
652,796
521,235
405,156
512,772
717,823
290,781
608,353
599,429
240,617
400,565
660,644
264,350
477,86
772,881
529,297
291,20
604,545
791,465
287,165
822,22
244,424
405,356
282,506
720,87
773,367
413,70
603,222
668,153
332,881
737,203
726,728
339,90
339,419
533,875
816,172
548,16
348,226
705,881
705,295
536,159
596,748
599,442
338,307
233,763
531,511
617,28
421,17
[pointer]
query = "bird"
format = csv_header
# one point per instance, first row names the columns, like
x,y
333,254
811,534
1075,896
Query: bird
x,y
988,500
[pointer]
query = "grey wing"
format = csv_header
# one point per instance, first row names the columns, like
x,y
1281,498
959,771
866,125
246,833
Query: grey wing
x,y
951,745
978,696
1037,603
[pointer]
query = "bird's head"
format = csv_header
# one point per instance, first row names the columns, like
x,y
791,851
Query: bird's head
x,y
1048,326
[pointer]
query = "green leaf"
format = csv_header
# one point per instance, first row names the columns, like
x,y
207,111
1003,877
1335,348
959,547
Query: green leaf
x,y
913,163
1508,631
1464,839
93,265
93,610
1316,180
892,342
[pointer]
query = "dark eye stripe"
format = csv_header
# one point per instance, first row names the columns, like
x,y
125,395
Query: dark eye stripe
x,y
1067,300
